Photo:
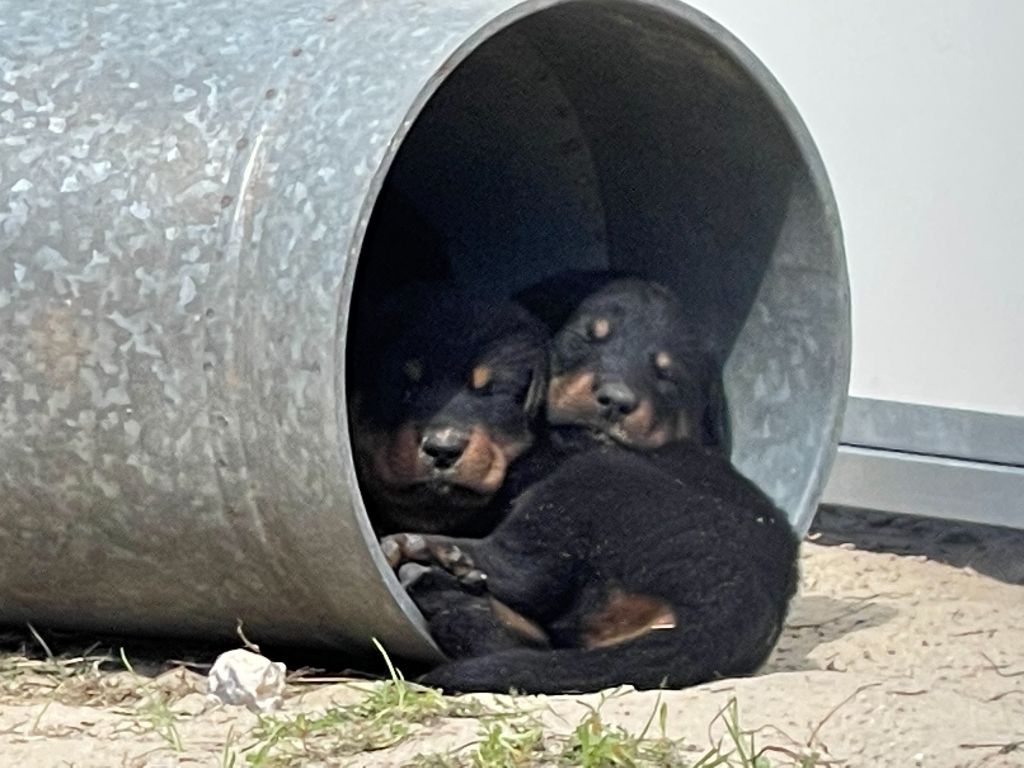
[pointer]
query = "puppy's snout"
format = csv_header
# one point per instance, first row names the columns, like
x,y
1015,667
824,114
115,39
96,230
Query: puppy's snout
x,y
616,398
444,447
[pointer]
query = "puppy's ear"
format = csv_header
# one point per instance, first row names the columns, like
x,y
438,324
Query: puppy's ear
x,y
538,388
538,391
536,348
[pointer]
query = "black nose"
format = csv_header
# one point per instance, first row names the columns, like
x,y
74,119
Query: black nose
x,y
616,398
444,446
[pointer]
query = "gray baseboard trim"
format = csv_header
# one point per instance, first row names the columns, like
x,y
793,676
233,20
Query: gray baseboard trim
x,y
931,486
932,431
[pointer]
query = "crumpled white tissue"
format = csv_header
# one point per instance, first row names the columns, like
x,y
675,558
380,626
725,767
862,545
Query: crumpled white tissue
x,y
247,679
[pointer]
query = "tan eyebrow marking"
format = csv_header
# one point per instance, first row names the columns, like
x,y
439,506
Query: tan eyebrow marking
x,y
600,328
663,360
480,377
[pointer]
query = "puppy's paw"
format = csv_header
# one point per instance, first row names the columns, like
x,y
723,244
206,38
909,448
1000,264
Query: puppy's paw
x,y
473,580
401,548
454,559
410,573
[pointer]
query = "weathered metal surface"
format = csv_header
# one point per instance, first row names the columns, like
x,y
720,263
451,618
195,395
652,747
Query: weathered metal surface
x,y
183,192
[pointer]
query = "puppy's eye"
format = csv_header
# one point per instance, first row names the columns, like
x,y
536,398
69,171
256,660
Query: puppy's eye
x,y
481,379
599,329
663,364
413,370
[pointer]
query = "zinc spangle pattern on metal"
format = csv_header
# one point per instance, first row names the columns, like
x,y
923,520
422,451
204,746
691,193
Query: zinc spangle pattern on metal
x,y
181,186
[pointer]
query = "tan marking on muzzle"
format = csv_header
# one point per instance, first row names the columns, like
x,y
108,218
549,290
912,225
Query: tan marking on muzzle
x,y
395,461
483,463
571,402
640,429
571,399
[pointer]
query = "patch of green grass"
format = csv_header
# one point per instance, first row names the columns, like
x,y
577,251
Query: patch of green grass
x,y
739,749
595,743
388,714
157,713
510,736
501,744
509,745
385,717
228,756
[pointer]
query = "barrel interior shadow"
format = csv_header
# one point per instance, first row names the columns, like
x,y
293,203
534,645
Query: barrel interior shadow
x,y
584,138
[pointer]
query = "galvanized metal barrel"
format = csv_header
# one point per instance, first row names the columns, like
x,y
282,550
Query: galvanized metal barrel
x,y
184,192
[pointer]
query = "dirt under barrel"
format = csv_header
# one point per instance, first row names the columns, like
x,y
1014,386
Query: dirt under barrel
x,y
184,193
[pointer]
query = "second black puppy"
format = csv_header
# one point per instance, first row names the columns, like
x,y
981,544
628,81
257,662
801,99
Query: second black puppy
x,y
626,362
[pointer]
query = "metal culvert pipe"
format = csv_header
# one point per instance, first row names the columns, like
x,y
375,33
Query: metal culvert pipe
x,y
184,192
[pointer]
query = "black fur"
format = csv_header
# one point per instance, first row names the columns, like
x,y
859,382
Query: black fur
x,y
554,299
680,526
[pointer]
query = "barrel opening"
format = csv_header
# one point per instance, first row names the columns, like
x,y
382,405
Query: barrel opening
x,y
628,135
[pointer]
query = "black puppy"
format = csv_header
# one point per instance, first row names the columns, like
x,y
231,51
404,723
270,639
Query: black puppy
x,y
444,392
627,364
658,568
637,576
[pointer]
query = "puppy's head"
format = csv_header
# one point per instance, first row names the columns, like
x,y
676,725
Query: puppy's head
x,y
445,401
627,365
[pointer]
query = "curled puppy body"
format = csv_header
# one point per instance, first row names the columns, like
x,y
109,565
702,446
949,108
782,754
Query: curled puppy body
x,y
638,575
628,366
445,391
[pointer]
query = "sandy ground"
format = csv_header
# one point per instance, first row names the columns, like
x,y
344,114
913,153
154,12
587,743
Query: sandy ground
x,y
904,648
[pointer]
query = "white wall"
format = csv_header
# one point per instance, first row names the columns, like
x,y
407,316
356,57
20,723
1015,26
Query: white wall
x,y
917,107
